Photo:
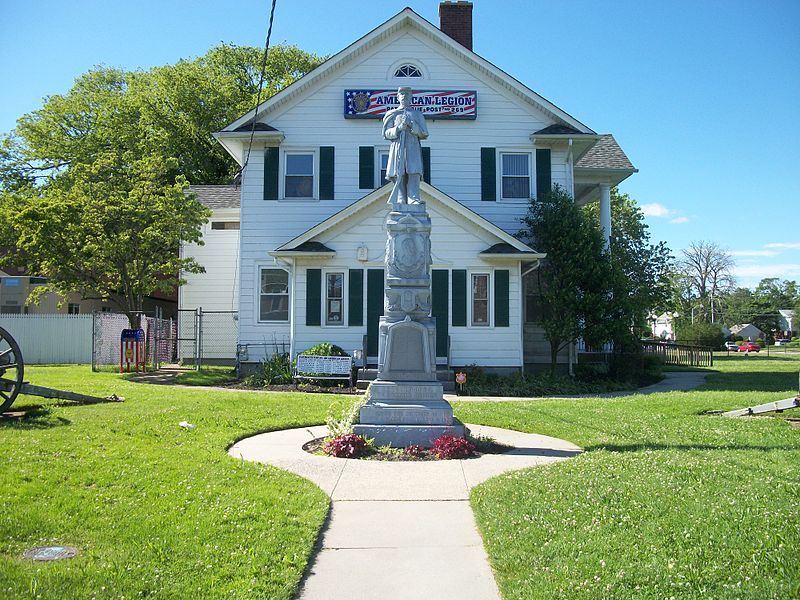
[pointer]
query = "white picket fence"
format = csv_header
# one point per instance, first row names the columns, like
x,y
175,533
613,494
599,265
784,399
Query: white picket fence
x,y
51,339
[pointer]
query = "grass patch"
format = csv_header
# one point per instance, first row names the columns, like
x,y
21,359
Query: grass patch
x,y
155,510
208,376
664,503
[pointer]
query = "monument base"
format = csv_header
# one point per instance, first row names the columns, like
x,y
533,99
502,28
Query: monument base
x,y
401,436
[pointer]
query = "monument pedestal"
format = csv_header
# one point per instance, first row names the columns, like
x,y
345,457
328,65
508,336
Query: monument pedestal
x,y
406,404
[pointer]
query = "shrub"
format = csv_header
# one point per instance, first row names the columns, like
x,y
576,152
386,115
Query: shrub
x,y
343,413
700,334
325,349
448,446
349,445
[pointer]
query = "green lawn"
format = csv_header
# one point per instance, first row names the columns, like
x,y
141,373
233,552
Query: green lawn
x,y
665,502
155,510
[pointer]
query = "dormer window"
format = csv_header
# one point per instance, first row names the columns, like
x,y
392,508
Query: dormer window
x,y
407,70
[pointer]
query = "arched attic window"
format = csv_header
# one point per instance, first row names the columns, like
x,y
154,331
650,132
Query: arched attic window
x,y
408,70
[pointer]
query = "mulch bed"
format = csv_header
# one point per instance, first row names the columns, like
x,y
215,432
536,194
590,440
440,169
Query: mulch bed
x,y
315,447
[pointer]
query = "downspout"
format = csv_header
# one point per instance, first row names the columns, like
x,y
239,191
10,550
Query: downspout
x,y
570,172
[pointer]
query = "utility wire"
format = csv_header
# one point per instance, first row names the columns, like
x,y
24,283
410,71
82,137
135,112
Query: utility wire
x,y
260,87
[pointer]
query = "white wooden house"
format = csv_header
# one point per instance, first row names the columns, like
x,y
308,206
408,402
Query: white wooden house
x,y
313,199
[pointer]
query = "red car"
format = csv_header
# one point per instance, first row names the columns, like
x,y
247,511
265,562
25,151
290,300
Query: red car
x,y
749,347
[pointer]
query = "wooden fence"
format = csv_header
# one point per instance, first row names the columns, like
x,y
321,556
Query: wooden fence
x,y
681,355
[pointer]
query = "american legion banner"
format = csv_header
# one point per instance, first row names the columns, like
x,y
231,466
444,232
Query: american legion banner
x,y
434,104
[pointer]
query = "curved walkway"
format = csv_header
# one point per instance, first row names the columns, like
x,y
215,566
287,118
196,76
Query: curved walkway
x,y
400,530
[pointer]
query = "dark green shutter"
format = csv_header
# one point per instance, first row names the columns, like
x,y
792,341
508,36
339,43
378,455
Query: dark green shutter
x,y
355,314
459,305
543,177
488,174
374,308
426,164
313,296
366,167
439,303
501,298
326,161
271,174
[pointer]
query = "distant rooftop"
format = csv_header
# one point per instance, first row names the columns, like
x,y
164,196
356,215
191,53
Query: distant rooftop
x,y
216,196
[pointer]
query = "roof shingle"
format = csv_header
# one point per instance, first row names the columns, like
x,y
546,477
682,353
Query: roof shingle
x,y
605,154
216,196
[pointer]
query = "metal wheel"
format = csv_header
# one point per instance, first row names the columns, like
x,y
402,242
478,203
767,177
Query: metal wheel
x,y
12,370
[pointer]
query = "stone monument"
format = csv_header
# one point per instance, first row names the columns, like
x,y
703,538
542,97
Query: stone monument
x,y
406,404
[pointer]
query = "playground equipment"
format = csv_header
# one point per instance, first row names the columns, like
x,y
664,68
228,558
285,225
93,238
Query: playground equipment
x,y
12,383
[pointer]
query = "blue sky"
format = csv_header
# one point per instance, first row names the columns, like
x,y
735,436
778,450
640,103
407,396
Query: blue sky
x,y
704,97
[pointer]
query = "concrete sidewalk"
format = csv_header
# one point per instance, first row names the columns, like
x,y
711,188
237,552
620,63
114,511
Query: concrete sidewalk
x,y
401,530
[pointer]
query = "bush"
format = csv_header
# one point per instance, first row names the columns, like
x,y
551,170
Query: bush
x,y
699,334
275,371
343,413
345,446
448,447
325,349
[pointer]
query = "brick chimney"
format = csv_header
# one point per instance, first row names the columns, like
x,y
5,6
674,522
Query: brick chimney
x,y
455,20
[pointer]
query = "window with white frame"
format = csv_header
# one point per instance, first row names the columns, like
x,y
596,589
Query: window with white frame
x,y
383,163
480,299
73,308
299,176
515,175
274,297
334,298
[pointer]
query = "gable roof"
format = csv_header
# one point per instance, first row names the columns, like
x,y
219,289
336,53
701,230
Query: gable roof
x,y
407,18
217,196
511,247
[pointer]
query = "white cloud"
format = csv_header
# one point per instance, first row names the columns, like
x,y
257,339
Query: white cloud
x,y
660,211
754,253
784,245
759,271
656,210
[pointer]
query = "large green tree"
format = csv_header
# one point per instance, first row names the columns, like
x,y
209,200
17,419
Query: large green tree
x,y
641,274
91,184
574,278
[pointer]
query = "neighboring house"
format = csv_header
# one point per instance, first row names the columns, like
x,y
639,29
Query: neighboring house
x,y
15,290
313,198
788,323
748,332
661,326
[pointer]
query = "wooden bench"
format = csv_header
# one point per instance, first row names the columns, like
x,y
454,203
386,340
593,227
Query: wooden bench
x,y
323,367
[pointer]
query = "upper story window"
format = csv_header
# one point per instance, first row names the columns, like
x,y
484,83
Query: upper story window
x,y
299,177
73,309
220,225
407,70
516,175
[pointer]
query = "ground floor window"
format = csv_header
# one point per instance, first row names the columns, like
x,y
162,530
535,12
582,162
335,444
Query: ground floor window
x,y
73,309
480,299
334,299
274,299
533,300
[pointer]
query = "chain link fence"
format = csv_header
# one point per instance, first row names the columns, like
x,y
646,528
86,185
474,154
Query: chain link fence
x,y
160,339
207,337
